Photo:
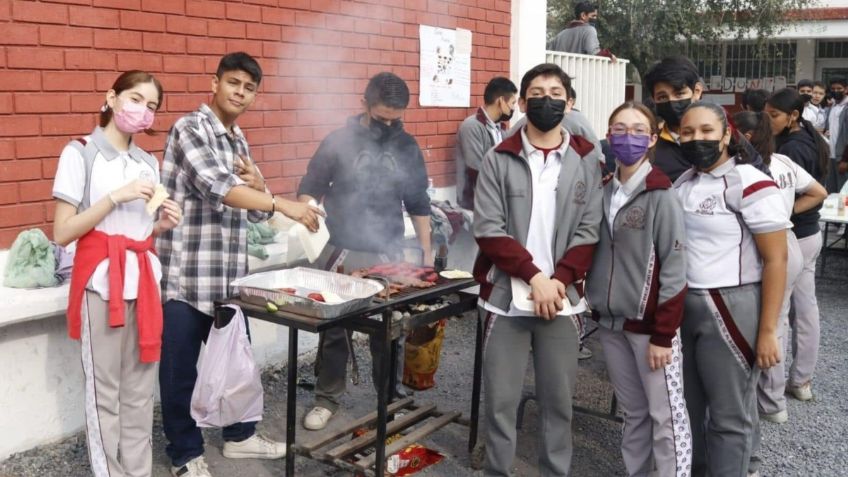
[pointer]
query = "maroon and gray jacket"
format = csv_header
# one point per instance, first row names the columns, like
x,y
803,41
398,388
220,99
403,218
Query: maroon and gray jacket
x,y
502,208
473,140
637,282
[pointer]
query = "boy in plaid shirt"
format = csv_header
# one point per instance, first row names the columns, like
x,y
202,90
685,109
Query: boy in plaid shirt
x,y
208,171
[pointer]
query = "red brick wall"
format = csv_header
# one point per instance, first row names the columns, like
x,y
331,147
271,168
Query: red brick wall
x,y
58,58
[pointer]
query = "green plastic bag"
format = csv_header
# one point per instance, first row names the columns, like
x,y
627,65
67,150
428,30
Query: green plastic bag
x,y
259,235
31,263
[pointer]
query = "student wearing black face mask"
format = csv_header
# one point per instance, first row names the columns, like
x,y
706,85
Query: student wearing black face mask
x,y
537,214
837,130
480,132
736,272
674,84
364,173
581,35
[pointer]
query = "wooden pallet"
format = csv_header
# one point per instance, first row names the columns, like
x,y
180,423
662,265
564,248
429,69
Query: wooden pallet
x,y
337,448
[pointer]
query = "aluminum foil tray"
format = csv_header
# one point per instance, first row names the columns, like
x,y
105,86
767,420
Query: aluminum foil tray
x,y
264,287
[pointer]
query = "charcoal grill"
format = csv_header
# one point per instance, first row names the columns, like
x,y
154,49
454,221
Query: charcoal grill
x,y
335,447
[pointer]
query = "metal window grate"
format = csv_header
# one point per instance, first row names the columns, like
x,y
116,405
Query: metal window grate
x,y
832,49
746,59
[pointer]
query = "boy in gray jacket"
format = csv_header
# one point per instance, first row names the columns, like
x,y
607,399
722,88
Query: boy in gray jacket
x,y
536,217
480,132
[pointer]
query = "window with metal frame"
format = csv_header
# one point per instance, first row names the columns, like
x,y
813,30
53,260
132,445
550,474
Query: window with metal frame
x,y
837,49
746,59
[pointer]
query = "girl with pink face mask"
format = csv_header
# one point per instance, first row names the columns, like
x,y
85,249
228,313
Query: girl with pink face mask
x,y
102,186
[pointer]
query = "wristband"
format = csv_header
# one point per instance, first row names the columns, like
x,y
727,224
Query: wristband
x,y
112,199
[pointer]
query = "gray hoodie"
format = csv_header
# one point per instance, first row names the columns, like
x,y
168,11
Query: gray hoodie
x,y
637,281
578,37
502,207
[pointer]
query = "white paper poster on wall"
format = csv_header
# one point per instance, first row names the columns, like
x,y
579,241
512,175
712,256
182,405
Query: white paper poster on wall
x,y
755,83
779,82
727,85
445,67
768,84
741,83
715,83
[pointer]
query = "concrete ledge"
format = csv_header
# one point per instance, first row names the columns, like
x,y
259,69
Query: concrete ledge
x,y
19,305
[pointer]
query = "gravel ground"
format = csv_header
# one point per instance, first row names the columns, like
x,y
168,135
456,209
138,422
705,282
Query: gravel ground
x,y
812,443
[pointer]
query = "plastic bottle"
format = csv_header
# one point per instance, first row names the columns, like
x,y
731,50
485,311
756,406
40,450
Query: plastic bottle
x,y
431,189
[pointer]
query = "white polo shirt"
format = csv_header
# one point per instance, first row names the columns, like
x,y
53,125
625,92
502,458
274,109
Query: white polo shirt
x,y
790,178
110,170
722,209
544,175
622,191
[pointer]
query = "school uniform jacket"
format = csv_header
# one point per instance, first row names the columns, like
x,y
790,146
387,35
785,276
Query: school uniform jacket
x,y
637,282
503,204
473,139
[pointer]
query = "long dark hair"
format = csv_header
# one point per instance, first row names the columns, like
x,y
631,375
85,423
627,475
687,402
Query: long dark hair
x,y
126,81
789,100
759,125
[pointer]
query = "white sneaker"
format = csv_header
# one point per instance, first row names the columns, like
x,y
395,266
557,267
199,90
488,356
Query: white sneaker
x,y
803,392
317,418
778,417
256,446
194,468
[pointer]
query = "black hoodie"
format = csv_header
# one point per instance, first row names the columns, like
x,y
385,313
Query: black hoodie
x,y
801,147
365,174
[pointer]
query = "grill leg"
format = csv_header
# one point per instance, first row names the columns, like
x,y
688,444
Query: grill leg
x,y
291,402
385,337
475,387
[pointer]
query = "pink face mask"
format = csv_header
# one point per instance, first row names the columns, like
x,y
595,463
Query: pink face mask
x,y
133,117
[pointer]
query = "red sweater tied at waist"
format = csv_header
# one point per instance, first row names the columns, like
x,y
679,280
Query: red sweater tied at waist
x,y
93,248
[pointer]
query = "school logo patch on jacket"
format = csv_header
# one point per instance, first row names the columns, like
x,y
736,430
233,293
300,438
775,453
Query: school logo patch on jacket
x,y
580,193
635,218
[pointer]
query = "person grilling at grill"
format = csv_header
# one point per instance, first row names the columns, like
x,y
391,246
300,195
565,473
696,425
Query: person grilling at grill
x,y
365,173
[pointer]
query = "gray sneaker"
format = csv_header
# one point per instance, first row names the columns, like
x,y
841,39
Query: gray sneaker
x,y
193,468
584,353
256,446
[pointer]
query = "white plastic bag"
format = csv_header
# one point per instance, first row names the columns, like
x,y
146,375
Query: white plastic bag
x,y
228,388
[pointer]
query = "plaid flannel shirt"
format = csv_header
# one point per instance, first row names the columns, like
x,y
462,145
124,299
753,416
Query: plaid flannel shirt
x,y
202,255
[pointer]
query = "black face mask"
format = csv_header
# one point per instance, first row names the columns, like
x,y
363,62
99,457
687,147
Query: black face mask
x,y
506,116
806,98
838,96
545,113
382,131
701,153
593,22
672,111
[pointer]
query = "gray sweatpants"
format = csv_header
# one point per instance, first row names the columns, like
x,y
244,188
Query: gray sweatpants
x,y
509,343
772,385
719,333
805,322
118,393
656,423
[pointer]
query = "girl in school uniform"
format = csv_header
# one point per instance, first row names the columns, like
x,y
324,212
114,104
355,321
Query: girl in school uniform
x,y
797,139
636,289
736,274
800,192
101,188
